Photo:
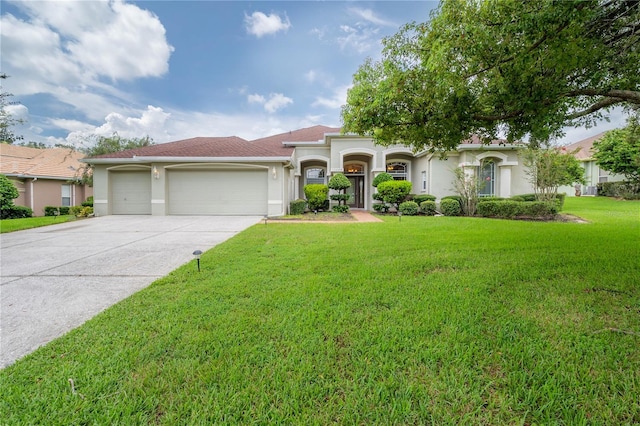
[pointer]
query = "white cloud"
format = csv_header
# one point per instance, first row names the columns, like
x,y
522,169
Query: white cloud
x,y
275,101
151,122
72,46
337,99
260,24
256,99
370,16
359,38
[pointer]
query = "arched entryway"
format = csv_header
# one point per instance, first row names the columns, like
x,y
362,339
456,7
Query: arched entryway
x,y
355,171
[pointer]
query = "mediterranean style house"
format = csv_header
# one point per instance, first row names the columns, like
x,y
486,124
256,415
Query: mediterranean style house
x,y
44,177
233,176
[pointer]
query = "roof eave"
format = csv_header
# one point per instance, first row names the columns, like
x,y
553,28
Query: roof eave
x,y
136,160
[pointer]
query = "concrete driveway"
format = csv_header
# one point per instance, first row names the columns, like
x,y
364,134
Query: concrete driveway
x,y
55,278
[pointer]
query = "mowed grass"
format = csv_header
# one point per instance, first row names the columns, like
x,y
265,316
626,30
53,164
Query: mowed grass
x,y
428,320
12,225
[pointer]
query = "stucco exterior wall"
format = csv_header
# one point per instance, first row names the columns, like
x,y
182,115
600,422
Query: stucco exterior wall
x,y
37,193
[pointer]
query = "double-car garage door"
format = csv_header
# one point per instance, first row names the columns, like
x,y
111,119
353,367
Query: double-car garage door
x,y
194,192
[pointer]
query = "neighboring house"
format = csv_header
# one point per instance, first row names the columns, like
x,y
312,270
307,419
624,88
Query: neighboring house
x,y
43,177
592,172
229,175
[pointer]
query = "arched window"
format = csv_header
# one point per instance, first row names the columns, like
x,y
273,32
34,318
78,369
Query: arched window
x,y
487,177
398,170
315,175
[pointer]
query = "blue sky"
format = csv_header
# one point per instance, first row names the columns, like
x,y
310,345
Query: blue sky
x,y
179,69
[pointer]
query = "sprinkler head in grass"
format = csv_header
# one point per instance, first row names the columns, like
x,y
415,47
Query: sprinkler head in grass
x,y
197,254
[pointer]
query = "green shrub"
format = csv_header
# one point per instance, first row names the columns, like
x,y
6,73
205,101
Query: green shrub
x,y
64,210
394,191
89,202
316,194
340,209
297,206
382,177
409,208
420,198
450,207
8,192
86,212
627,190
454,197
381,207
75,210
534,197
508,209
15,212
428,207
51,211
485,199
339,197
517,198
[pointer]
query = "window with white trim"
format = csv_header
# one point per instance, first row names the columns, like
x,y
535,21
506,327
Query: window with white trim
x,y
66,195
487,178
398,170
423,176
315,175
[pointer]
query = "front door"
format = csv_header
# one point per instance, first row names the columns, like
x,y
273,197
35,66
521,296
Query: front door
x,y
356,192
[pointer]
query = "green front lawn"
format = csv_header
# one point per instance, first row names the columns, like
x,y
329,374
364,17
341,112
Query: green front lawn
x,y
11,225
443,320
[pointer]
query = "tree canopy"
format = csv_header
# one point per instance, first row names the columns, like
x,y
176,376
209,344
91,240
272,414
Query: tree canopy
x,y
520,68
618,151
7,121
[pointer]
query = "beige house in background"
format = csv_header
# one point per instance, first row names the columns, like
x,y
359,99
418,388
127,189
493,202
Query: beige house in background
x,y
592,172
43,177
233,176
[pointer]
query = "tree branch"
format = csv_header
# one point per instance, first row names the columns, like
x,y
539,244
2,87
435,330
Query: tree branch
x,y
607,102
622,95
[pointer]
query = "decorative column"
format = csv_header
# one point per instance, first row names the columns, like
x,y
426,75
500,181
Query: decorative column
x,y
505,181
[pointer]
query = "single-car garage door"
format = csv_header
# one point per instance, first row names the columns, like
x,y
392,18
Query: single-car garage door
x,y
131,192
218,192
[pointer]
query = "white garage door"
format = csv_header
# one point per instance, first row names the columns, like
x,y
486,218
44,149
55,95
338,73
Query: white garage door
x,y
131,192
217,192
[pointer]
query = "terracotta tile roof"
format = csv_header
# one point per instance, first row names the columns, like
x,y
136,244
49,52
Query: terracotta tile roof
x,y
584,147
60,163
231,146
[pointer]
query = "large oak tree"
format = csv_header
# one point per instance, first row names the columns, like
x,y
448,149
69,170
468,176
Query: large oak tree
x,y
520,68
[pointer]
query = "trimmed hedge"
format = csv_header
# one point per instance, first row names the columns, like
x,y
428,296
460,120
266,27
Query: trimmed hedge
x,y
316,194
508,209
88,203
343,208
297,206
15,212
428,207
450,207
534,197
51,211
420,198
409,208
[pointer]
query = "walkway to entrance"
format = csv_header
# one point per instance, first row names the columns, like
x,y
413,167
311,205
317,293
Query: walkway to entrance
x,y
364,216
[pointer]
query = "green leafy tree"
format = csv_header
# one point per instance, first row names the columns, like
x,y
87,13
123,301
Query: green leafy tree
x,y
339,182
394,191
7,121
491,68
8,192
95,146
618,151
551,168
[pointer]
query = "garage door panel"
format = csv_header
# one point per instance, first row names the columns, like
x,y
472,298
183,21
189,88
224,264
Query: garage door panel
x,y
217,192
131,192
